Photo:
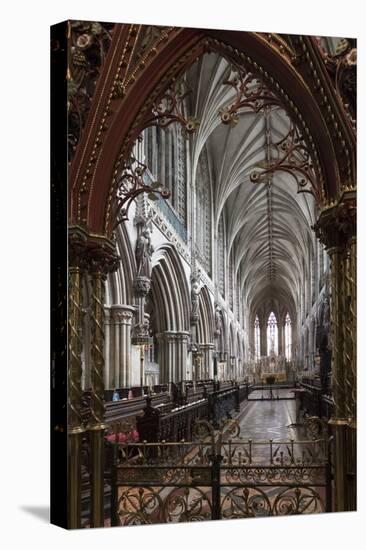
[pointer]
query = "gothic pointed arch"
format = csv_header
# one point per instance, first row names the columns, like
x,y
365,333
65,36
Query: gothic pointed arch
x,y
119,287
123,103
169,290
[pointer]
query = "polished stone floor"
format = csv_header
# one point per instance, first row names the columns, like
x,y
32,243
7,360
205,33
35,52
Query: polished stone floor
x,y
269,419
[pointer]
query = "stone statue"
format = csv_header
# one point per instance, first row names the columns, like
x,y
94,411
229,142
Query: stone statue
x,y
144,250
195,293
218,321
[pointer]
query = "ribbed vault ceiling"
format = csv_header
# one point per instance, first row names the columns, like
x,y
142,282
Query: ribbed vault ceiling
x,y
268,224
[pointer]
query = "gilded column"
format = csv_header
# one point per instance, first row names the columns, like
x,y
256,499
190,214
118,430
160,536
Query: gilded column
x,y
96,424
98,255
337,336
349,326
336,229
75,426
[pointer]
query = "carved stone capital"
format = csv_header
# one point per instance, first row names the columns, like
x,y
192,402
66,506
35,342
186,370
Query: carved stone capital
x,y
182,336
337,223
92,253
206,346
171,336
122,314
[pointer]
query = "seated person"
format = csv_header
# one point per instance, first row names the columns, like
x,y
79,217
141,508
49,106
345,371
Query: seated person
x,y
116,396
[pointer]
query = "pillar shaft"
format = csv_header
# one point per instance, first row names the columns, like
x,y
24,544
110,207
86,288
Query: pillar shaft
x,y
75,426
96,424
207,360
107,347
349,328
337,313
96,256
172,356
336,228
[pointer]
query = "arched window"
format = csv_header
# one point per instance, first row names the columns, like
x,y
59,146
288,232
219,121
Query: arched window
x,y
272,334
288,338
203,213
165,156
231,299
221,254
257,338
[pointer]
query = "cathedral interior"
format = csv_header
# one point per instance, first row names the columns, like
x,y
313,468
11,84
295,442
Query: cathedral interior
x,y
212,274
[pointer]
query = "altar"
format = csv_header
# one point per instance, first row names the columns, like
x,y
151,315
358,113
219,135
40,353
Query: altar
x,y
276,377
273,366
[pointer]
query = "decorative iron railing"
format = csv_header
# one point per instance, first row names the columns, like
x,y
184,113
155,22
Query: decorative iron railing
x,y
220,475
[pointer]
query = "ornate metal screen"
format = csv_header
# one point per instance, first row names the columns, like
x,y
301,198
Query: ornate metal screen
x,y
220,475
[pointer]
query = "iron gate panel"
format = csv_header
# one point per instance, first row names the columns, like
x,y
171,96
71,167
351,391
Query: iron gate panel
x,y
218,477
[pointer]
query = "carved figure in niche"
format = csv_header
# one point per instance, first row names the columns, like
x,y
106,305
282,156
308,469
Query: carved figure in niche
x,y
144,251
195,293
218,321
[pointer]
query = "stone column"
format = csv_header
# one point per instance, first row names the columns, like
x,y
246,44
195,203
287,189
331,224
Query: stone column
x,y
182,339
97,256
207,359
240,368
120,350
172,356
127,315
115,349
107,346
263,339
336,228
311,345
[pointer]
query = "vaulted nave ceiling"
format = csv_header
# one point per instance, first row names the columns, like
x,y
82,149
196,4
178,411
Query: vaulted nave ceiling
x,y
268,223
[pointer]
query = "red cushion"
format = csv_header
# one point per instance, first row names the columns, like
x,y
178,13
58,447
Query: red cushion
x,y
122,437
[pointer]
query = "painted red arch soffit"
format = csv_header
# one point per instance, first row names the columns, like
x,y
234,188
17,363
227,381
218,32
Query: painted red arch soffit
x,y
180,42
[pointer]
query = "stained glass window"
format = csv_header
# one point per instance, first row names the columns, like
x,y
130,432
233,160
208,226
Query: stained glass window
x,y
257,338
221,258
288,338
272,334
203,214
